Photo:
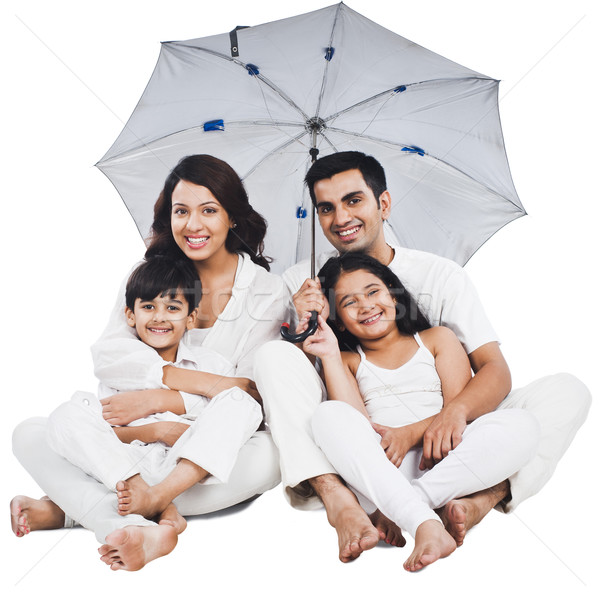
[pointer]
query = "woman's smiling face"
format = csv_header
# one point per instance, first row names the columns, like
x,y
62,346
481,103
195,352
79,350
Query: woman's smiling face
x,y
364,305
199,222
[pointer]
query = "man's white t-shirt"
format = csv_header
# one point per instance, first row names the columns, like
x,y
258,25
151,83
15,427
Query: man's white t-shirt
x,y
441,287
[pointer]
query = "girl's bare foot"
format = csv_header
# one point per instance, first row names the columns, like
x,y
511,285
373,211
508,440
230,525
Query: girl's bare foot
x,y
133,547
171,516
432,542
388,530
136,496
28,514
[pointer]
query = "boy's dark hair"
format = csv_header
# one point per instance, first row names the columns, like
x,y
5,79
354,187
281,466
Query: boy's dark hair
x,y
409,318
328,166
163,276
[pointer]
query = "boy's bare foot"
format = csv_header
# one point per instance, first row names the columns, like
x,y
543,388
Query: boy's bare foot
x,y
28,514
461,514
388,530
133,547
136,496
171,516
355,531
432,542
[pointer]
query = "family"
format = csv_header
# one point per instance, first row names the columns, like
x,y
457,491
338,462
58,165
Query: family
x,y
396,414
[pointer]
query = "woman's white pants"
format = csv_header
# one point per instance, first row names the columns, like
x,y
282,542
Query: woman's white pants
x,y
493,447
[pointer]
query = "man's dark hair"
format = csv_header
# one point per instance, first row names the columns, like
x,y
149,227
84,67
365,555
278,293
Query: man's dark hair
x,y
328,166
163,276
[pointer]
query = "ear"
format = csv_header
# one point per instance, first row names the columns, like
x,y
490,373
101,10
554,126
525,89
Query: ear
x,y
130,317
191,319
385,203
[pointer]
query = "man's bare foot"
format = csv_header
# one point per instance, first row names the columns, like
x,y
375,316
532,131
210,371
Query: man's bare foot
x,y
136,496
432,542
133,547
461,514
171,516
355,531
388,530
28,514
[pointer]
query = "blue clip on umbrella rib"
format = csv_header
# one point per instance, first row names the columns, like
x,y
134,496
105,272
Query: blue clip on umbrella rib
x,y
414,150
216,125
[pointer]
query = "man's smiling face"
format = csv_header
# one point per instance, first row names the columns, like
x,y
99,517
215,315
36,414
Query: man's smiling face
x,y
349,213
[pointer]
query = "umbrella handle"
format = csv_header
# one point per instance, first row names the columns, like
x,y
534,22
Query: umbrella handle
x,y
299,337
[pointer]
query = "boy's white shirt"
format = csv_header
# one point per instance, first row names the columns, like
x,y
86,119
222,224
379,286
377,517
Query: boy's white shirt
x,y
198,359
441,287
253,316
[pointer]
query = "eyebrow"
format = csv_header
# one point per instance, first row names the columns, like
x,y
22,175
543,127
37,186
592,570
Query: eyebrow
x,y
345,296
346,197
174,204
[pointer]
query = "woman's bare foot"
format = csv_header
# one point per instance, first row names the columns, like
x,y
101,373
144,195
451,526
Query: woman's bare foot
x,y
458,516
28,514
171,516
133,547
355,531
388,530
136,496
432,542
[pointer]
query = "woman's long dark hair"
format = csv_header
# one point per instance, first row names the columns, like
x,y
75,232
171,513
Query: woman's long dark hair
x,y
226,186
409,318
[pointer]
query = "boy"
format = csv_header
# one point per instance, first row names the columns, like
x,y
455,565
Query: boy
x,y
145,472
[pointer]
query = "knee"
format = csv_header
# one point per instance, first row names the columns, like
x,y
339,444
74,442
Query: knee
x,y
327,418
576,396
274,353
27,435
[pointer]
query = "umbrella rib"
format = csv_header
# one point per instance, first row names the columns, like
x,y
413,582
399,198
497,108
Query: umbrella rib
x,y
274,151
326,70
266,81
390,143
380,94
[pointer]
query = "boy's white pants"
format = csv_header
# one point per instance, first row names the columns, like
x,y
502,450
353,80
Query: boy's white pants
x,y
493,447
88,502
78,432
291,390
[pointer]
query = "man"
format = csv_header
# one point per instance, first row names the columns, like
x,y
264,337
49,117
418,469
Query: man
x,y
350,194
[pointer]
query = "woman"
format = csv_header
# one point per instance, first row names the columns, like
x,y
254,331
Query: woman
x,y
396,376
202,213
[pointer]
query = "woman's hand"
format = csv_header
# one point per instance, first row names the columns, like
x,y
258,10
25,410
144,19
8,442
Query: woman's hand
x,y
125,407
323,342
396,441
167,432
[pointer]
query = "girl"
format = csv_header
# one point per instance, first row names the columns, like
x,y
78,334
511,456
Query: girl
x,y
202,214
394,374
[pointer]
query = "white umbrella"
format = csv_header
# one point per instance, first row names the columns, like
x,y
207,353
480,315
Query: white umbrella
x,y
261,97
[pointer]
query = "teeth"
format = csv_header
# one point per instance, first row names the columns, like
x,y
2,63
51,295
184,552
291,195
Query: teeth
x,y
197,240
348,232
154,330
371,319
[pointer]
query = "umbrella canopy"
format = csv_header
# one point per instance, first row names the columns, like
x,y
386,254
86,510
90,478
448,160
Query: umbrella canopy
x,y
258,97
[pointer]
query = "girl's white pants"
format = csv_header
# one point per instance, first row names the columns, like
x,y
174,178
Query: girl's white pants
x,y
292,390
493,447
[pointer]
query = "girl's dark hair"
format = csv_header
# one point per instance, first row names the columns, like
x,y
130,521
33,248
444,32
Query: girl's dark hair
x,y
163,276
226,186
409,318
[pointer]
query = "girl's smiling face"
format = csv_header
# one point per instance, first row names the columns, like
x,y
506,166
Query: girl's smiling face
x,y
364,305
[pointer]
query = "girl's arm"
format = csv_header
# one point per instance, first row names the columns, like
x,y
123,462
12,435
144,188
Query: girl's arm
x,y
454,370
339,379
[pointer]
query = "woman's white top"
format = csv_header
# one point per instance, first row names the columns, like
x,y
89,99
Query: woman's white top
x,y
408,394
252,316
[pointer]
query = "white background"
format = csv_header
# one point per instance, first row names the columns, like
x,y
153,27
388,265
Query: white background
x,y
72,73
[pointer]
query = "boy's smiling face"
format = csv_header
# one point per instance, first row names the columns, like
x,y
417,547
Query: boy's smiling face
x,y
161,322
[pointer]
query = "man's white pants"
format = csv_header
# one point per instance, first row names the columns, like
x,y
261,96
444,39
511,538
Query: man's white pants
x,y
88,502
78,432
291,391
493,447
